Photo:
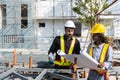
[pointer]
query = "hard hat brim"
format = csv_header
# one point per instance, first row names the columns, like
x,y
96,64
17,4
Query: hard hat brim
x,y
70,27
93,32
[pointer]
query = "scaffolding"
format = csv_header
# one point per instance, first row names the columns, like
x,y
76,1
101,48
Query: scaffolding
x,y
17,29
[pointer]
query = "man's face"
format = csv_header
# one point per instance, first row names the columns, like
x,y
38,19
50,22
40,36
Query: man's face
x,y
69,32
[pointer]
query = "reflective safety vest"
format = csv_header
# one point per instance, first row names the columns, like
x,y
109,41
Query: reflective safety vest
x,y
102,56
62,61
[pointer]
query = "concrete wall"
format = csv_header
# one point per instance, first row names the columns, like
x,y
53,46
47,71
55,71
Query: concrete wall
x,y
46,34
0,17
53,8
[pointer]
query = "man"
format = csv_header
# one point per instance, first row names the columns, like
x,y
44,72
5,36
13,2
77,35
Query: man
x,y
101,51
66,43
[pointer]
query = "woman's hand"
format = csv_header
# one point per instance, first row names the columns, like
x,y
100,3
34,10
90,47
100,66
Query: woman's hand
x,y
101,65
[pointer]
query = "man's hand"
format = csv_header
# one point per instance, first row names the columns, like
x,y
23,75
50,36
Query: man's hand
x,y
101,65
51,58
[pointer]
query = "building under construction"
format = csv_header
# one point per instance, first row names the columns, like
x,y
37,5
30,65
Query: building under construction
x,y
28,28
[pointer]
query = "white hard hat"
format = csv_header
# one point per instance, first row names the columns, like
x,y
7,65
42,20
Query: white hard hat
x,y
70,24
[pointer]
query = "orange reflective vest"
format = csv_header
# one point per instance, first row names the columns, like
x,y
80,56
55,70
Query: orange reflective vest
x,y
62,61
102,56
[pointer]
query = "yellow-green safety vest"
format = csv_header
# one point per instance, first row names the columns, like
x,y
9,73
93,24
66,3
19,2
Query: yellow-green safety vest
x,y
102,55
62,61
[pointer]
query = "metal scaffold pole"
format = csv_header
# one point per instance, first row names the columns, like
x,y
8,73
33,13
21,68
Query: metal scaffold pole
x,y
15,19
35,24
53,19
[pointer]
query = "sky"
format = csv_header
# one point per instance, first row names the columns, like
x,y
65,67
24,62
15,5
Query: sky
x,y
114,8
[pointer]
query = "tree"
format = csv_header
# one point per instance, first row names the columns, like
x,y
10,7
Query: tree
x,y
88,10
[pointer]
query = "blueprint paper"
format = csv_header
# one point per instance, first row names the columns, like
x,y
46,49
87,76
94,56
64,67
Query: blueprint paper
x,y
83,60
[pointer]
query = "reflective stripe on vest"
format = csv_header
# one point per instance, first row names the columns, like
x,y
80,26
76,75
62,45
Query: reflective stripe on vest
x,y
102,55
62,61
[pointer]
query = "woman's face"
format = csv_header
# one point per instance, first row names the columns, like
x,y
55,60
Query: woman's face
x,y
95,37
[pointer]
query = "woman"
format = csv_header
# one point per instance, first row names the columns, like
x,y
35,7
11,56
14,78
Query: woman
x,y
101,51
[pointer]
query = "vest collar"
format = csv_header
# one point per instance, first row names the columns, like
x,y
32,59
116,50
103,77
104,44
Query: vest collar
x,y
100,46
66,38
